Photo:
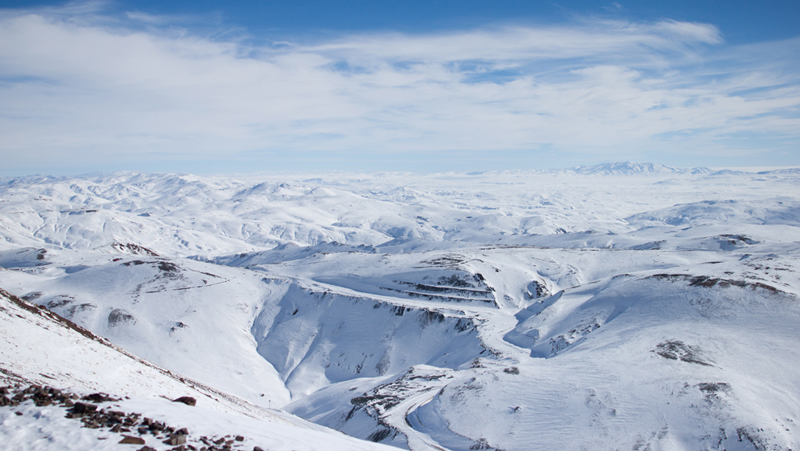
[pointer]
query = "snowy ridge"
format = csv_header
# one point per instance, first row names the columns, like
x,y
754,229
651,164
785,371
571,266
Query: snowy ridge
x,y
167,380
591,309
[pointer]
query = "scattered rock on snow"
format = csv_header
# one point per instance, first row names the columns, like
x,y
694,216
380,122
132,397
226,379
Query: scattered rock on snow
x,y
678,350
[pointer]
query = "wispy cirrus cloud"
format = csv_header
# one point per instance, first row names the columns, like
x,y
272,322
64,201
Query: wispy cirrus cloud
x,y
587,39
81,86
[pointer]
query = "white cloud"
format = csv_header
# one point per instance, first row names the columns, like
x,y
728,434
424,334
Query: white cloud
x,y
704,33
78,86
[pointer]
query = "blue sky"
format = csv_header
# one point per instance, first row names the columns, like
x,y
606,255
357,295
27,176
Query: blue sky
x,y
433,86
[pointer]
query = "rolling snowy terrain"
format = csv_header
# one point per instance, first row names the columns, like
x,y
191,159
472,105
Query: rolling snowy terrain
x,y
621,306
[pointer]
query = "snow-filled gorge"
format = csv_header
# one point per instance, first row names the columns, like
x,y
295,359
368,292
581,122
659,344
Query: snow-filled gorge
x,y
621,306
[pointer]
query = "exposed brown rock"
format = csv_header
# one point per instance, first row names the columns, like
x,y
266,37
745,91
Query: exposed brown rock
x,y
98,398
130,440
82,409
188,400
176,439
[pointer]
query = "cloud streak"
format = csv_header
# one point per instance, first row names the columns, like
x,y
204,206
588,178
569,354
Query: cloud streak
x,y
80,86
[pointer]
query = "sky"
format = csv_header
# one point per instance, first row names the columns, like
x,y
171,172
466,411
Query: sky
x,y
208,86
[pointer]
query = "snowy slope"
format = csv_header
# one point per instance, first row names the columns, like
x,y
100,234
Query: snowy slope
x,y
39,347
621,306
173,313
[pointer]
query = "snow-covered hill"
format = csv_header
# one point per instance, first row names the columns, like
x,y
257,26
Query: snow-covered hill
x,y
621,306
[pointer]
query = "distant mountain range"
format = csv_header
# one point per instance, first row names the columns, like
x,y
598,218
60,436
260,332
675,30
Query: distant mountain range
x,y
630,168
626,168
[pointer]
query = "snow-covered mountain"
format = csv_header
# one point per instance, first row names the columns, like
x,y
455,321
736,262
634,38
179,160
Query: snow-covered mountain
x,y
575,309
